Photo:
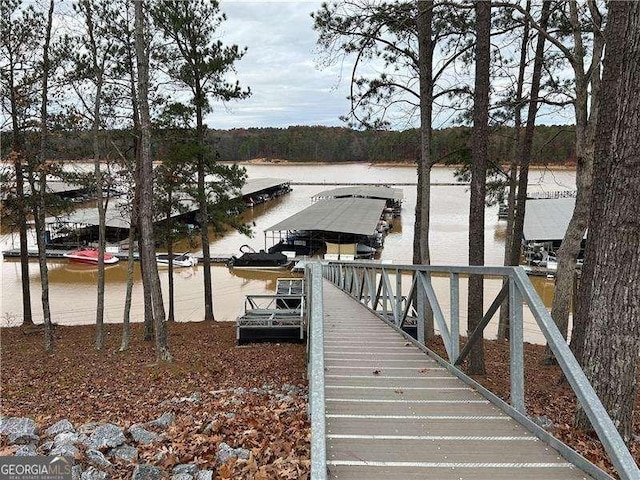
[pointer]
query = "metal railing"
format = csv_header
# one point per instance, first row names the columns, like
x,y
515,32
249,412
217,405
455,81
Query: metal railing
x,y
380,287
315,364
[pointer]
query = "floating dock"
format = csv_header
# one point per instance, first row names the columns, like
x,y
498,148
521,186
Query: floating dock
x,y
274,317
59,254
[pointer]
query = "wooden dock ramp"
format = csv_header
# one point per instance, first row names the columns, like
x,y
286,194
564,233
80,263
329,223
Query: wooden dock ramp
x,y
392,412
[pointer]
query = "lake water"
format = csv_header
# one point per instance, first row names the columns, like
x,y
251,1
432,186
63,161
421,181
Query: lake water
x,y
73,288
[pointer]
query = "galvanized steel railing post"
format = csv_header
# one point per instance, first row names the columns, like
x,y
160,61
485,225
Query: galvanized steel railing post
x,y
516,340
600,421
421,308
316,376
455,315
398,310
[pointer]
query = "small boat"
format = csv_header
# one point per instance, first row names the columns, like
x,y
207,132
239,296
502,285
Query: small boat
x,y
90,257
179,260
252,260
365,251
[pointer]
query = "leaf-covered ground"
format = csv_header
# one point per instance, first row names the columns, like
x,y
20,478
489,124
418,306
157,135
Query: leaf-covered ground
x,y
83,385
548,395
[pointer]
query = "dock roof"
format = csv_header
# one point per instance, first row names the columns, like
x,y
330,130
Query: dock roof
x,y
358,216
255,185
368,191
547,219
116,216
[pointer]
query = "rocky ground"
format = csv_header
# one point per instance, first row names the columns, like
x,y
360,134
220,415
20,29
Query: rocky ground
x,y
219,411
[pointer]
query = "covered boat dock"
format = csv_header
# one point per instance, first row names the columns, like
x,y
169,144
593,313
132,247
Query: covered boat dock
x,y
348,220
545,223
260,190
392,196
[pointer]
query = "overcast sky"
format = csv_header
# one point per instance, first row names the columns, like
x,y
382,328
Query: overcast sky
x,y
280,68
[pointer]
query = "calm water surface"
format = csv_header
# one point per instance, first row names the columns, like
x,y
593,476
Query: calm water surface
x,y
73,288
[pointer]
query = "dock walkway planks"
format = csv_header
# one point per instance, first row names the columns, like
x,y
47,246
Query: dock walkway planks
x,y
392,412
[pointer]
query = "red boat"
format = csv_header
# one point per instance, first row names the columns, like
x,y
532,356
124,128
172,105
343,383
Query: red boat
x,y
90,257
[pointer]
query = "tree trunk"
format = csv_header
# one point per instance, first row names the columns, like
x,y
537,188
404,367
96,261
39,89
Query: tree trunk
x,y
425,54
503,323
126,327
609,294
585,140
21,219
101,214
40,207
203,201
478,179
170,317
146,188
146,288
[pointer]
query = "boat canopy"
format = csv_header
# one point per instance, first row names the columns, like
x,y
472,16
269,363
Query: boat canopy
x,y
357,216
363,191
547,219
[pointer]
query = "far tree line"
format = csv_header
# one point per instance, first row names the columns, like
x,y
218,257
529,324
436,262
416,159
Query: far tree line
x,y
552,145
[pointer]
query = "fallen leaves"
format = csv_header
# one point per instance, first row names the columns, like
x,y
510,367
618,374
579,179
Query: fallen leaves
x,y
84,385
547,395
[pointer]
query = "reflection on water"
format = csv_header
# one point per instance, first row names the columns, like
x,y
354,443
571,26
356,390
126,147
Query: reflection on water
x,y
73,288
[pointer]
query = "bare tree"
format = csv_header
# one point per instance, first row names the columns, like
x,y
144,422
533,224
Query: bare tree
x,y
609,304
478,177
513,247
20,28
38,192
147,242
198,61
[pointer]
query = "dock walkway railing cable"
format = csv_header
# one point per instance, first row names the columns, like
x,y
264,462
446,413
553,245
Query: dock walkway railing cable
x,y
379,288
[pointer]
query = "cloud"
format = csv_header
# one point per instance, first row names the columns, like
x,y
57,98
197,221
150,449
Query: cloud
x,y
280,68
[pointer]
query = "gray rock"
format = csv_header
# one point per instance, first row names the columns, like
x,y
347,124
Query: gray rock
x,y
147,472
290,388
59,427
231,415
205,475
88,427
239,391
92,473
182,476
19,430
63,450
142,435
225,452
188,468
163,421
96,457
211,426
193,398
124,452
71,438
26,451
106,436
46,446
76,472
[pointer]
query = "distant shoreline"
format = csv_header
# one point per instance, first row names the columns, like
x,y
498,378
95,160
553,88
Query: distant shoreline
x,y
282,162
401,163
